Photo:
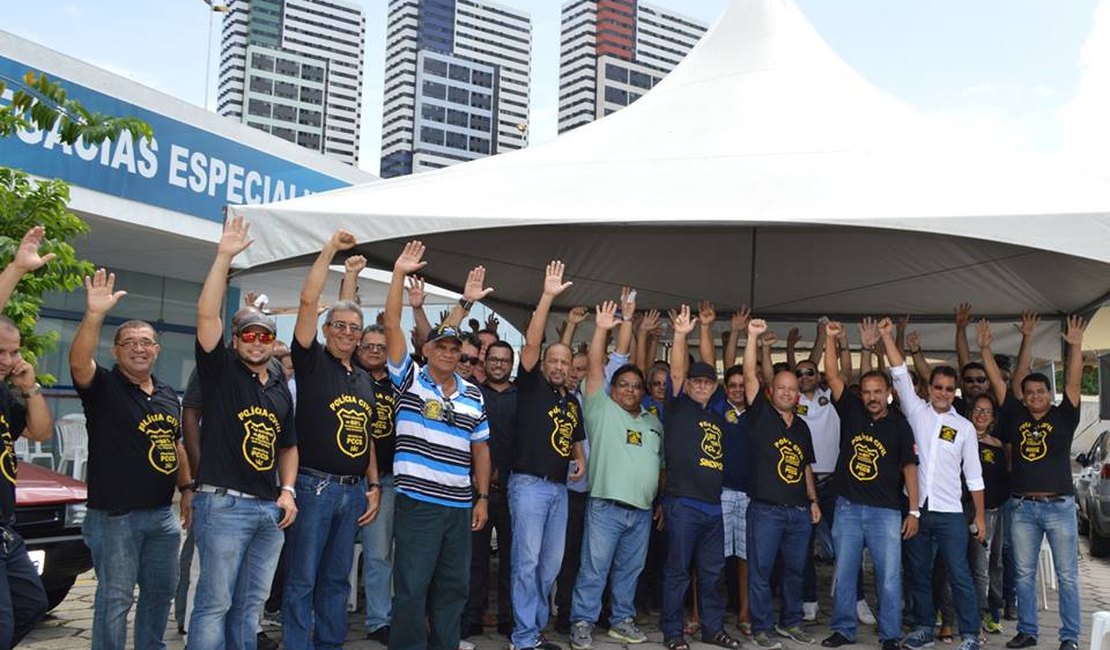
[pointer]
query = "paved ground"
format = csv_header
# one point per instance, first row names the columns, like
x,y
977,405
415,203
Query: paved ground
x,y
68,626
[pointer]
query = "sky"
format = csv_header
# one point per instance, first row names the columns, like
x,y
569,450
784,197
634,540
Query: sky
x,y
1033,75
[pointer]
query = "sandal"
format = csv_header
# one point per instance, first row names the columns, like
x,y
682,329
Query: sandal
x,y
723,640
745,628
677,643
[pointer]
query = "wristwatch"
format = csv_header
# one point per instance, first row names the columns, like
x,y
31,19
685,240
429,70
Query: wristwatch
x,y
483,497
915,513
290,489
466,304
191,486
370,487
35,390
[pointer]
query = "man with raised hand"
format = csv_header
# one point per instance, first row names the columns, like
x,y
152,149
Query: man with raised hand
x,y
783,506
626,450
694,528
22,598
441,432
248,448
548,434
337,477
948,454
136,458
1039,436
876,460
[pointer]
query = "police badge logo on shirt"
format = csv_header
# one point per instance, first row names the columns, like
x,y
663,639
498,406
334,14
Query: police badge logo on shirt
x,y
1034,440
731,417
384,406
711,446
7,452
352,433
160,429
947,434
260,428
823,401
802,409
633,437
789,466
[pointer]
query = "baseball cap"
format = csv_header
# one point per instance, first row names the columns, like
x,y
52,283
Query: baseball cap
x,y
444,332
702,369
256,318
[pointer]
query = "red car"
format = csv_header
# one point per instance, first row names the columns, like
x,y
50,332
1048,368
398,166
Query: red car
x,y
49,510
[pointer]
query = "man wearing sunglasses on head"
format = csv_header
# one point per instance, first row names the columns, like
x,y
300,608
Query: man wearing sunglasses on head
x,y
337,480
136,458
948,453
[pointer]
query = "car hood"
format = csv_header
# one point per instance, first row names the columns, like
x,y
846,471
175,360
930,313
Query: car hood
x,y
37,485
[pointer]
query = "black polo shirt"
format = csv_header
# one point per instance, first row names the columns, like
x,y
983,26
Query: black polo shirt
x,y
872,454
501,415
244,425
548,423
132,442
335,411
693,450
1041,449
780,455
382,429
13,420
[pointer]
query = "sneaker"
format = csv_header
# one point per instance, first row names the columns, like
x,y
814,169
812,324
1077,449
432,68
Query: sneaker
x,y
627,631
991,626
863,613
1022,640
796,633
266,643
381,635
1069,645
891,644
809,611
969,643
918,639
544,644
581,636
466,645
764,640
271,617
835,640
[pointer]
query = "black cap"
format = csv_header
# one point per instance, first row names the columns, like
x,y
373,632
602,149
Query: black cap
x,y
703,370
444,332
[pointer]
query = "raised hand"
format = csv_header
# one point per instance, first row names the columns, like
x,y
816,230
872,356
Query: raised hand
x,y
492,322
885,326
903,323
757,327
869,332
100,294
443,314
416,291
234,239
27,257
578,315
1074,333
681,321
707,313
650,321
411,258
963,314
354,264
913,341
341,240
834,329
793,336
1029,320
628,302
475,290
249,298
553,284
769,338
606,317
983,333
22,374
740,318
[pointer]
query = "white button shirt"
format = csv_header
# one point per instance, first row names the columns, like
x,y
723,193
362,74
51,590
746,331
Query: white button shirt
x,y
824,426
946,444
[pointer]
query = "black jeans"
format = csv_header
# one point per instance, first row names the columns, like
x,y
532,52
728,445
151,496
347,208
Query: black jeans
x,y
478,600
22,598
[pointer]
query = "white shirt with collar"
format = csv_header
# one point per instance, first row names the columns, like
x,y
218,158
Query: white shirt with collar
x,y
824,427
946,445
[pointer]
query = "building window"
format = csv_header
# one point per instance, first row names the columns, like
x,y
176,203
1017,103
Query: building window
x,y
639,79
262,62
458,95
436,90
285,133
309,118
285,90
431,136
616,96
480,123
456,140
481,100
460,73
456,118
287,67
433,113
312,72
616,73
483,79
312,95
262,85
284,113
479,145
435,67
259,108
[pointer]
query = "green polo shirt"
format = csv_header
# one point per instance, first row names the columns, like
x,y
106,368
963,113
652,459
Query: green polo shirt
x,y
626,451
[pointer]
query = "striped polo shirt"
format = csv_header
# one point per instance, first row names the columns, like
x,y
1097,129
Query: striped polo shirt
x,y
433,436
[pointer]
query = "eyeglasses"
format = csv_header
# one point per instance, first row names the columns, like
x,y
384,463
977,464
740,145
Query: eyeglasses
x,y
986,411
806,372
372,347
466,358
343,326
494,361
976,380
658,383
944,389
137,344
630,385
261,337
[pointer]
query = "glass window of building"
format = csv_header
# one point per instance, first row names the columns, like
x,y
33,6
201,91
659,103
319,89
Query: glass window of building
x,y
639,79
459,73
435,89
615,72
458,95
435,67
431,135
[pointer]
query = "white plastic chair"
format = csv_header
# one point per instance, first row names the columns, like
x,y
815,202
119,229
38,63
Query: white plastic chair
x,y
1100,631
74,441
352,596
1047,571
29,454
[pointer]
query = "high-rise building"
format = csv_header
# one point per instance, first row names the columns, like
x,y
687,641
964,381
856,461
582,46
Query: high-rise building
x,y
456,83
293,68
614,51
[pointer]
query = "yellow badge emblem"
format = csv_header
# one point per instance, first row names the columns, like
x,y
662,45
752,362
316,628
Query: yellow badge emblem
x,y
1034,443
633,437
790,461
351,436
258,445
163,452
433,410
947,434
864,464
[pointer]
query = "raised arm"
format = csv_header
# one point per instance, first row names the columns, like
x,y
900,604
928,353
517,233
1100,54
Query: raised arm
x,y
920,363
792,337
767,339
1073,378
628,316
894,355
869,339
647,327
985,337
308,309
682,324
233,241
416,303
833,377
595,356
818,345
553,285
737,324
756,328
845,352
707,347
963,318
1028,328
27,260
348,286
474,290
100,298
574,319
409,261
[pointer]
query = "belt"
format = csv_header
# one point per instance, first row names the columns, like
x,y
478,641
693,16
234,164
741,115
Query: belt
x,y
334,478
619,504
1052,498
212,489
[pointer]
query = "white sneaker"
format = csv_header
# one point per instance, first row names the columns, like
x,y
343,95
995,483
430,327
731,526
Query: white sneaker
x,y
863,613
466,645
809,611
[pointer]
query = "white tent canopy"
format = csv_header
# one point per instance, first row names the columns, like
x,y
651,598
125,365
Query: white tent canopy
x,y
764,171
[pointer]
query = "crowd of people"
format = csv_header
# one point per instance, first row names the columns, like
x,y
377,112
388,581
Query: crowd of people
x,y
615,481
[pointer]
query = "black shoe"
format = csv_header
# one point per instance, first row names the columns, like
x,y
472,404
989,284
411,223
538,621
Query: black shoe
x,y
381,635
181,630
506,629
1022,640
835,640
892,644
1010,612
1069,645
266,643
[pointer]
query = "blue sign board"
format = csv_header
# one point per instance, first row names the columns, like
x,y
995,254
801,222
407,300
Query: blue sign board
x,y
184,168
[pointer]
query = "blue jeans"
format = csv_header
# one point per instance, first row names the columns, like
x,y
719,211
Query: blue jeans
x,y
184,567
22,599
772,528
880,530
317,574
377,560
137,547
1032,522
615,547
946,533
693,537
538,508
237,544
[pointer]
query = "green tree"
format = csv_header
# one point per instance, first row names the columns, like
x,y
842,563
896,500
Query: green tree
x,y
41,103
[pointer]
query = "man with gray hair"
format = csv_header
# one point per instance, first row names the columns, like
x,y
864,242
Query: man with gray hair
x,y
337,480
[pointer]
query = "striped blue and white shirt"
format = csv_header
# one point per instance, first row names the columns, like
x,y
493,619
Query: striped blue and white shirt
x,y
434,433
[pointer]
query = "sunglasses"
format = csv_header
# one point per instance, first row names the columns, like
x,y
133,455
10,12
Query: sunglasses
x,y
806,372
975,380
466,358
495,361
372,347
261,337
944,389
